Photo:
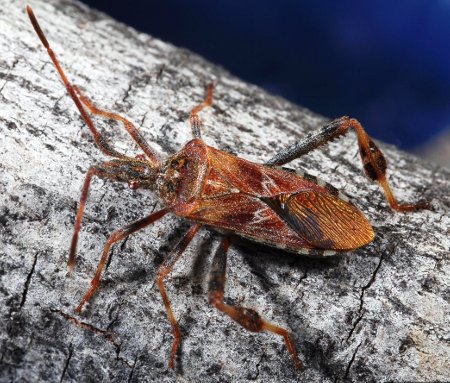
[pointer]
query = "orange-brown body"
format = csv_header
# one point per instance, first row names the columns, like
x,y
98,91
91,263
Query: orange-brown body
x,y
271,205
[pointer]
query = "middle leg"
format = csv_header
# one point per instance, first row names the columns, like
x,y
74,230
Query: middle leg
x,y
165,268
194,119
247,318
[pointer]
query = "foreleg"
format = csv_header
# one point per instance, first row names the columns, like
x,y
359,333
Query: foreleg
x,y
117,170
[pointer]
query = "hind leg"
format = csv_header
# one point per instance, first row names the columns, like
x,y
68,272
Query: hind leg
x,y
374,163
247,318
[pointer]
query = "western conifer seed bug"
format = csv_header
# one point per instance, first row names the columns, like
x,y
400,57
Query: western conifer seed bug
x,y
265,203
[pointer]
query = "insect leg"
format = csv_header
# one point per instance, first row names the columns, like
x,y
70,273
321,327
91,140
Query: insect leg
x,y
165,269
375,164
94,170
115,237
98,138
131,129
194,119
118,170
247,318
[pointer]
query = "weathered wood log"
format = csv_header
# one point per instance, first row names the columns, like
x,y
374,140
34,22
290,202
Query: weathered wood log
x,y
378,314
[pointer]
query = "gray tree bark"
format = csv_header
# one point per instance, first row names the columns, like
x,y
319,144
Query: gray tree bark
x,y
377,314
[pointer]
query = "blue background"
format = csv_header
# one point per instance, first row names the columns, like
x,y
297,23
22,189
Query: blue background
x,y
386,63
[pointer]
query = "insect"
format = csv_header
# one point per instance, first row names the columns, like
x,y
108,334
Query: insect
x,y
265,203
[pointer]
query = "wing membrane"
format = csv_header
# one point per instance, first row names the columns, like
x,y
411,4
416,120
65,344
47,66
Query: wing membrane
x,y
324,221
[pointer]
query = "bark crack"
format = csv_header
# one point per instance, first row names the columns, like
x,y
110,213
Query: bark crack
x,y
127,91
8,74
132,369
121,358
27,283
116,317
2,355
361,310
350,363
300,281
66,364
355,324
370,283
255,377
140,81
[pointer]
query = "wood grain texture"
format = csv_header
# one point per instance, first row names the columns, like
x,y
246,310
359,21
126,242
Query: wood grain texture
x,y
378,314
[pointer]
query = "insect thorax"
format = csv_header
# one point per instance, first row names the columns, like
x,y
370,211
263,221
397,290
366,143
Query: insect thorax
x,y
181,177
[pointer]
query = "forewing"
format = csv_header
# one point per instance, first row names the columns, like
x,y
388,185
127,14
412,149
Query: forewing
x,y
255,179
249,217
278,207
324,221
